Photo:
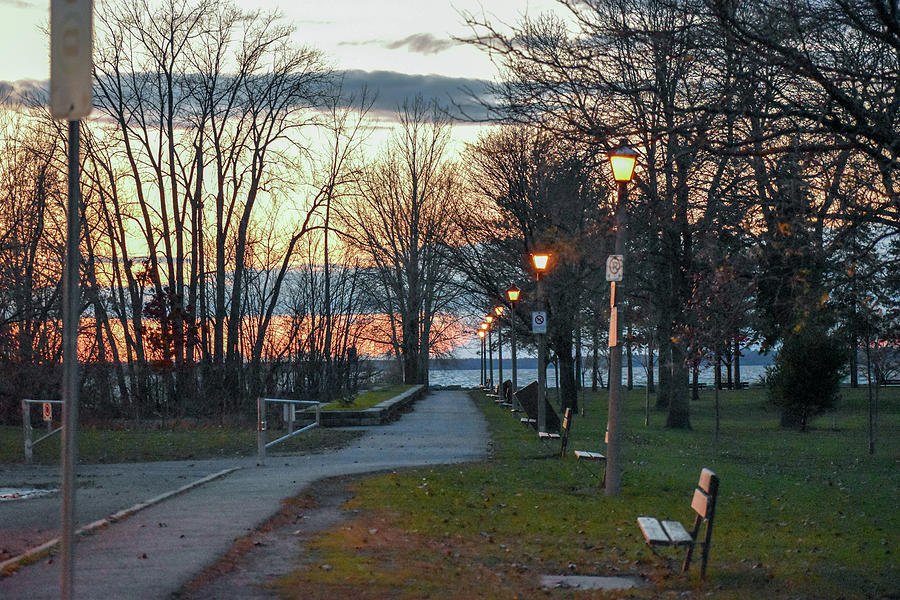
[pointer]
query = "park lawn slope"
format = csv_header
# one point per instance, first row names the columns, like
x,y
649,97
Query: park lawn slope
x,y
800,515
370,398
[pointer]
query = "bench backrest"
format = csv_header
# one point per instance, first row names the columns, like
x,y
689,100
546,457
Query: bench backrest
x,y
704,502
564,438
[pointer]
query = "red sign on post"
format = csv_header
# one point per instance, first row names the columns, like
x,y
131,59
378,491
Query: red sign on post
x,y
48,412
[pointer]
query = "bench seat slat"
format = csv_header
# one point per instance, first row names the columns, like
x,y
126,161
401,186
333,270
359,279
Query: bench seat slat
x,y
589,455
653,531
677,533
551,436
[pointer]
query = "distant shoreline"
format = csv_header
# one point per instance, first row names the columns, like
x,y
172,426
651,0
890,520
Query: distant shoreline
x,y
748,358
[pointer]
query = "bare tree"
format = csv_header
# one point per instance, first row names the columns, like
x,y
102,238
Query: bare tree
x,y
400,223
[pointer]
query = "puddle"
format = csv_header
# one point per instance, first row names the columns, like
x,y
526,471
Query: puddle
x,y
590,582
10,494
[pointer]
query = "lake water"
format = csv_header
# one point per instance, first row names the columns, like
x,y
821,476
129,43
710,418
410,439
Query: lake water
x,y
472,377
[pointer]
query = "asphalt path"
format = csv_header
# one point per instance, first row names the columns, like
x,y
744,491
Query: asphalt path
x,y
154,552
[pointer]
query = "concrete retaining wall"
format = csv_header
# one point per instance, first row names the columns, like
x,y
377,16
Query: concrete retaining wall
x,y
381,413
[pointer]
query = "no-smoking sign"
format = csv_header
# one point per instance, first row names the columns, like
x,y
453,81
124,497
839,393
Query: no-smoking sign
x,y
615,267
539,322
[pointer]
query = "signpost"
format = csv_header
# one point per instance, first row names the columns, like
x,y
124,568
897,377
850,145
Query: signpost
x,y
71,66
48,412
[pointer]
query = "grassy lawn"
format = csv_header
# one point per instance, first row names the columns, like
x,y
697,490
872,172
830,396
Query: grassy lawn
x,y
800,515
370,398
112,446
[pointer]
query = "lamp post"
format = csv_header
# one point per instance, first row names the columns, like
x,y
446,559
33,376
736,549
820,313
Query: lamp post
x,y
512,294
498,310
490,320
484,330
540,265
481,335
622,160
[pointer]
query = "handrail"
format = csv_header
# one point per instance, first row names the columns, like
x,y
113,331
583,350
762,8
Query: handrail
x,y
261,426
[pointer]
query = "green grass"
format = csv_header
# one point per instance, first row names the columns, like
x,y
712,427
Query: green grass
x,y
369,399
800,515
123,445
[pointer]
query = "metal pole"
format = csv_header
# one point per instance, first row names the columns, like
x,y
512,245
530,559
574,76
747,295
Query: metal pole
x,y
71,301
26,424
542,372
490,359
615,422
261,431
512,339
500,351
481,362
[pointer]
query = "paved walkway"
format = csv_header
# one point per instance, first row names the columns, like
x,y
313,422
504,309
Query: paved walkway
x,y
154,552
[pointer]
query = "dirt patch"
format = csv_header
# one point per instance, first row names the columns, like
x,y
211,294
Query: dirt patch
x,y
273,550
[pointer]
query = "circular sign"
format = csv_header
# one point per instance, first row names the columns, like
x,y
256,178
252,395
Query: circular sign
x,y
539,319
614,267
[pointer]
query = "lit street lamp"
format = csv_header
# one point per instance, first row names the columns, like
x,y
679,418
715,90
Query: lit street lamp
x,y
622,161
512,293
540,265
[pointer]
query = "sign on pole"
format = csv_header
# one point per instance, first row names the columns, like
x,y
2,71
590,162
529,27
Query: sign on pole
x,y
48,412
615,267
539,322
71,60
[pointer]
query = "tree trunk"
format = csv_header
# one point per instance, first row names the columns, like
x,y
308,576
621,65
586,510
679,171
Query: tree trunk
x,y
665,371
595,362
679,406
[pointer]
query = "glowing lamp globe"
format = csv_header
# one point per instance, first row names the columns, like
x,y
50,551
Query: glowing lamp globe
x,y
540,262
622,161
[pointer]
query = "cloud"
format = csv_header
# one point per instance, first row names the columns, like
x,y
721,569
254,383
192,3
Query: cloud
x,y
423,43
25,91
394,88
17,4
460,94
419,43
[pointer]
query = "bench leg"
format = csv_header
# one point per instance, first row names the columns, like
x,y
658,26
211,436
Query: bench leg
x,y
690,550
705,552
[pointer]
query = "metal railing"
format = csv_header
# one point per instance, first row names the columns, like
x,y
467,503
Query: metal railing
x,y
29,430
290,407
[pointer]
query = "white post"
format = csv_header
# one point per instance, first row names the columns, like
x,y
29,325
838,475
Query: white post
x,y
26,424
261,431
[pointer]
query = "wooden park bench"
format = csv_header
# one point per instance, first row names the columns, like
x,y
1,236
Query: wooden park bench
x,y
589,458
528,400
563,436
673,533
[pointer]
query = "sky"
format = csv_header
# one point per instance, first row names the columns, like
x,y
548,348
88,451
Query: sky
x,y
396,46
